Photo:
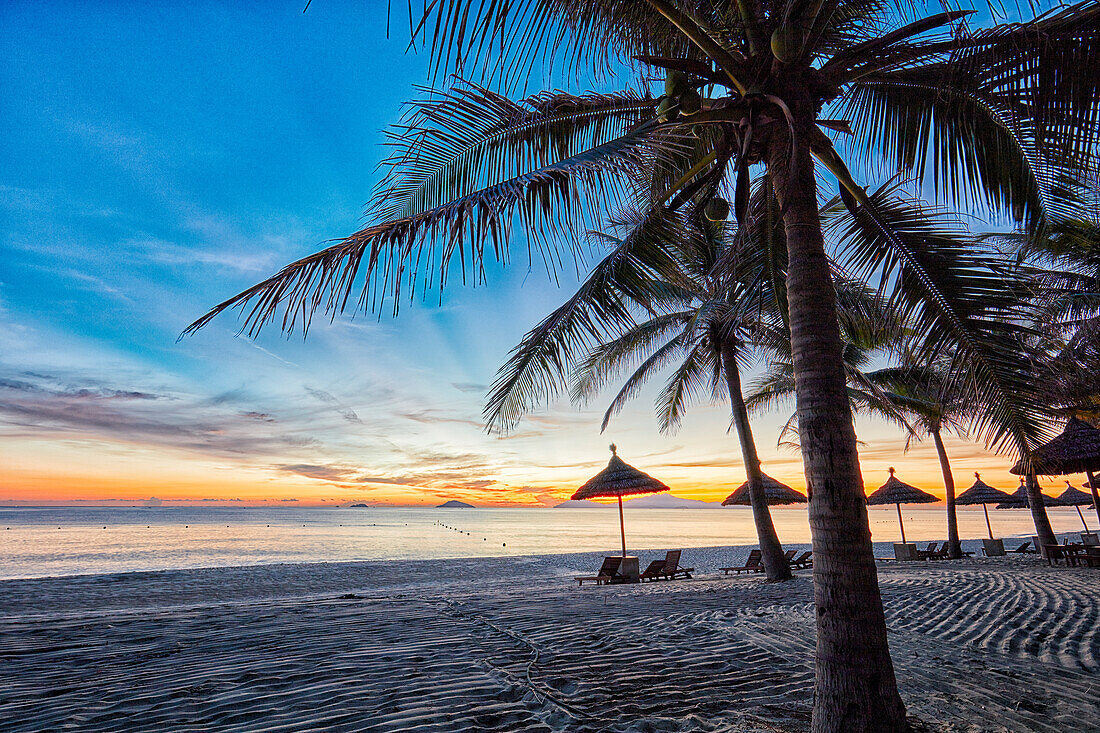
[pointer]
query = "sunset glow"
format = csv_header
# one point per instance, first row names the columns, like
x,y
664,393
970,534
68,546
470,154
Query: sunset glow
x,y
199,161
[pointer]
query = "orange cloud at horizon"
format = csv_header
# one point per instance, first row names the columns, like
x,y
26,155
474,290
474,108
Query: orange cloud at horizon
x,y
36,471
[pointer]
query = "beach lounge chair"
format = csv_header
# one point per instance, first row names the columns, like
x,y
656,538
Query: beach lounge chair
x,y
668,569
1025,549
608,572
928,553
805,560
751,564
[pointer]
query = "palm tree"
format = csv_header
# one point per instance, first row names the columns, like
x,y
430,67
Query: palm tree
x,y
991,116
934,402
703,320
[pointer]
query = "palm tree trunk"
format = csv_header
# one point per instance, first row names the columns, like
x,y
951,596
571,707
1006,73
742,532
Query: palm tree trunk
x,y
1093,486
954,548
1035,500
775,564
855,690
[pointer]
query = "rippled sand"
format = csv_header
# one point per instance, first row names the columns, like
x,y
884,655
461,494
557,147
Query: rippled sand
x,y
510,644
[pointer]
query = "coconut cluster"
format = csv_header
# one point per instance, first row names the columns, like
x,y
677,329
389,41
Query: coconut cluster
x,y
681,98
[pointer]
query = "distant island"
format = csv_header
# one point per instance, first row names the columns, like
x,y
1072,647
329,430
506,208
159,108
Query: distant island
x,y
352,506
667,501
455,504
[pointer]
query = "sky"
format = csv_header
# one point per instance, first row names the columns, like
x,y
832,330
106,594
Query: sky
x,y
159,158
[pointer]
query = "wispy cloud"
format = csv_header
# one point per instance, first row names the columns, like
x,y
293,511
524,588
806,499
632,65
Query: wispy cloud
x,y
329,399
41,405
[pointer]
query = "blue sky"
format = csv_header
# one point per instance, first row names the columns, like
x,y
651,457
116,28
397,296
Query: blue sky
x,y
159,158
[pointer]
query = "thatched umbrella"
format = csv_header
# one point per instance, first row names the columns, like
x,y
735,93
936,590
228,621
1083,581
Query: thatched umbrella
x,y
1018,498
619,479
1076,450
898,493
776,493
984,494
1076,499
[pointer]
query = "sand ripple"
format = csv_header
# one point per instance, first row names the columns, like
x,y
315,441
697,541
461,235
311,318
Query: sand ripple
x,y
979,646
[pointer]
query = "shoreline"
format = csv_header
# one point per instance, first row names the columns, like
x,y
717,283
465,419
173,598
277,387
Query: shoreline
x,y
182,587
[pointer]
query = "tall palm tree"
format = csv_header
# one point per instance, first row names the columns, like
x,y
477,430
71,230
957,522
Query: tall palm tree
x,y
935,403
922,395
703,324
991,116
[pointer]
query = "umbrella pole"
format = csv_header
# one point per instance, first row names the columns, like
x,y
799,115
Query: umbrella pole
x,y
1095,499
622,526
901,523
1082,517
987,524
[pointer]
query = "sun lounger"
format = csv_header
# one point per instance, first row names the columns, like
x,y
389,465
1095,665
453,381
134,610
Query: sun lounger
x,y
751,564
608,572
943,553
805,560
1025,549
667,569
927,554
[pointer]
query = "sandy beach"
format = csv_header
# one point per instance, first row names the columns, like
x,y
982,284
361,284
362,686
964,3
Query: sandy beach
x,y
511,644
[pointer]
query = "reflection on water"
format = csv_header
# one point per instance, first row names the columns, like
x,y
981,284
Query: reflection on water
x,y
79,540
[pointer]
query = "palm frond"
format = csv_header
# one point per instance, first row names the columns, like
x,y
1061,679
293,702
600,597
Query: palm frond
x,y
547,204
466,138
956,300
690,378
994,117
605,360
632,275
503,40
657,361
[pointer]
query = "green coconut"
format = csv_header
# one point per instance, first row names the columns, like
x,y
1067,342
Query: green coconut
x,y
668,109
676,83
690,102
786,43
717,209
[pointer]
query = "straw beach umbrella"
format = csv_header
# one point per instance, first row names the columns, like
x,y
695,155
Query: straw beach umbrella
x,y
984,494
1018,499
1076,450
897,492
1075,498
775,491
619,479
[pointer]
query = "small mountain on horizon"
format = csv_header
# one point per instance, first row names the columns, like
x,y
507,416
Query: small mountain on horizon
x,y
353,506
579,504
455,504
666,501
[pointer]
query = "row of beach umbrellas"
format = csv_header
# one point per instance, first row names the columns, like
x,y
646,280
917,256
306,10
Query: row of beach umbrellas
x,y
1076,450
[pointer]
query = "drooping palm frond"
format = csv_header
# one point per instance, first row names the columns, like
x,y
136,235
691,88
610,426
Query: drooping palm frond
x,y
632,276
605,360
503,40
1063,265
995,116
956,299
466,138
695,375
547,204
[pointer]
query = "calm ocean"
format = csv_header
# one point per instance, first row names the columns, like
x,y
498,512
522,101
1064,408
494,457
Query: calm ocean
x,y
39,542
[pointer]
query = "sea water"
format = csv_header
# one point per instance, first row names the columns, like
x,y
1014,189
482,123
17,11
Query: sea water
x,y
57,541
